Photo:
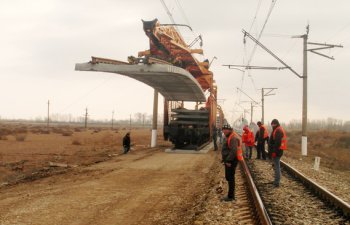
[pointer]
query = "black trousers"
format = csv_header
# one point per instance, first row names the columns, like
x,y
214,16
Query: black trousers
x,y
230,177
261,150
215,143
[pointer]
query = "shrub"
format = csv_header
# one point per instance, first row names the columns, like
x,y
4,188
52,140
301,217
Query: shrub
x,y
20,137
76,142
45,131
67,133
3,137
343,142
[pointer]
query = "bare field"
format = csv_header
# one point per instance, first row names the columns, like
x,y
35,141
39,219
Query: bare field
x,y
29,158
146,186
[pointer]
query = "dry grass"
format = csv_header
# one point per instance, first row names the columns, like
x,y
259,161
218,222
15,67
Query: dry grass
x,y
343,142
332,146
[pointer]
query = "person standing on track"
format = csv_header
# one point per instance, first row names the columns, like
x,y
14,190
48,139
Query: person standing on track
x,y
278,143
262,137
126,143
248,140
231,154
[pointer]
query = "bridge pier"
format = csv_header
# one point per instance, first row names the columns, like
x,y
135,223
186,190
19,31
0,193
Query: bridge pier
x,y
155,118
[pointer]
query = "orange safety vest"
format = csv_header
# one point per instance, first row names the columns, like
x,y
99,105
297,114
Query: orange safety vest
x,y
266,133
248,138
239,147
284,138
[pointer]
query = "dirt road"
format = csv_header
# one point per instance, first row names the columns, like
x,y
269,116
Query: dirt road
x,y
143,187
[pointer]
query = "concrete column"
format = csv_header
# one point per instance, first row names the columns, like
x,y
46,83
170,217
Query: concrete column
x,y
304,116
155,118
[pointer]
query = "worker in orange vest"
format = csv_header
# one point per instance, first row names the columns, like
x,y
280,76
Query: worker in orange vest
x,y
262,137
231,154
278,143
248,140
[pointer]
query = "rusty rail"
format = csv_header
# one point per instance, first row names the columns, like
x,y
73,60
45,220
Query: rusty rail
x,y
263,217
322,192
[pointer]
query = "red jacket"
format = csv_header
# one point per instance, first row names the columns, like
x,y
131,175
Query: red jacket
x,y
248,137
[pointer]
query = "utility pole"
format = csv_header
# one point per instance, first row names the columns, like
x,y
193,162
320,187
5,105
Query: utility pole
x,y
48,114
304,111
86,117
263,94
130,123
304,76
251,105
112,118
251,112
143,120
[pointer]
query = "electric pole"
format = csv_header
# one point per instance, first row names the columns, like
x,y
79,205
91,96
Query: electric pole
x,y
112,118
130,123
86,117
251,105
304,76
251,112
304,111
48,114
143,120
263,94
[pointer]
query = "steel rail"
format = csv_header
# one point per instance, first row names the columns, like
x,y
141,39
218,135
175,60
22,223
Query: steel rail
x,y
322,192
263,217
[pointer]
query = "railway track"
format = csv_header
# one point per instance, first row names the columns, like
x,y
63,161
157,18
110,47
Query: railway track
x,y
298,200
294,202
246,209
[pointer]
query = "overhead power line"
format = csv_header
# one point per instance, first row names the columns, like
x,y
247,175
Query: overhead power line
x,y
182,11
256,13
262,30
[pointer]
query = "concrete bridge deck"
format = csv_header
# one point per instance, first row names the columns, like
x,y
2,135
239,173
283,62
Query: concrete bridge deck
x,y
174,83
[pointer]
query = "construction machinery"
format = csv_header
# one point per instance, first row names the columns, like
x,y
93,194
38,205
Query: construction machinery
x,y
170,67
185,128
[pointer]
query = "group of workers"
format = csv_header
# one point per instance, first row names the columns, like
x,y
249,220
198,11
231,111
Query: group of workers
x,y
232,150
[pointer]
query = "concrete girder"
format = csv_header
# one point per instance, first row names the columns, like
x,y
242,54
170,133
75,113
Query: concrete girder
x,y
174,83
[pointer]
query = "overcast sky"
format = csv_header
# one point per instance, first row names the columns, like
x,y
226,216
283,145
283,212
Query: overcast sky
x,y
42,40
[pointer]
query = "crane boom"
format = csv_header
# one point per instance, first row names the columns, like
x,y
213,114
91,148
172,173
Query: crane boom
x,y
168,45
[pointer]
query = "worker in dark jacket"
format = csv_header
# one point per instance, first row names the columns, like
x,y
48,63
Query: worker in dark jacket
x,y
215,137
278,143
231,154
263,136
126,143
